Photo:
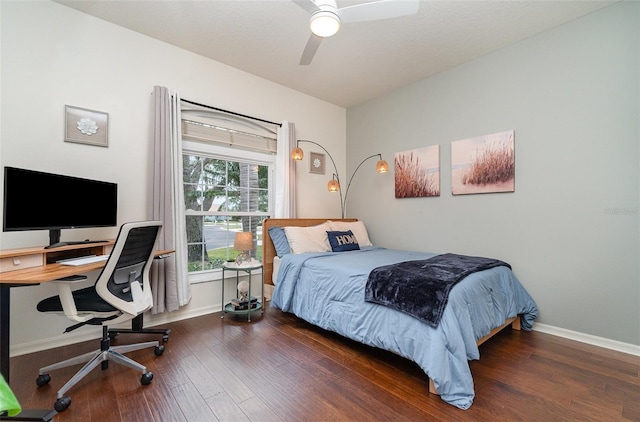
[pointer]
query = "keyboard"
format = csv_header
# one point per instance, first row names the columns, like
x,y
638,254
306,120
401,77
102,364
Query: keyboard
x,y
83,260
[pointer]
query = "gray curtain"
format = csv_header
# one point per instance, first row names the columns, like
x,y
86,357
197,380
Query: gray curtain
x,y
285,204
169,281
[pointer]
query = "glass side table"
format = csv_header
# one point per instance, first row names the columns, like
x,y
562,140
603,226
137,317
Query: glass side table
x,y
247,268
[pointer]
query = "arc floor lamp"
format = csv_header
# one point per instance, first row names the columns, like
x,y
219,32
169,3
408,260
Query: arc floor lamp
x,y
334,184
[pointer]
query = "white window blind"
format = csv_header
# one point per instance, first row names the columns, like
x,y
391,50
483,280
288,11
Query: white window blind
x,y
230,138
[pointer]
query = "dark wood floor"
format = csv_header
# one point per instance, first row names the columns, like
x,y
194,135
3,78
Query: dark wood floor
x,y
279,368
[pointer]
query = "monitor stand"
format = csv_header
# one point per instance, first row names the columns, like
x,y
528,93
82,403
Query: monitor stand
x,y
54,240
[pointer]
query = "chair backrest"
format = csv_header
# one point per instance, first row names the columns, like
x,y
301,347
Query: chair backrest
x,y
124,280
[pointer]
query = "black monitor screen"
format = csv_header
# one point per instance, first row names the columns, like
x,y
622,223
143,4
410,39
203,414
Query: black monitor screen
x,y
35,200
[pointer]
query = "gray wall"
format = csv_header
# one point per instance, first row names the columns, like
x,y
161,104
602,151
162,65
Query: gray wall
x,y
570,229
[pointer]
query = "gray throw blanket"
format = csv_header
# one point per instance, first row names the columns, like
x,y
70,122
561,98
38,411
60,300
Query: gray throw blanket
x,y
421,288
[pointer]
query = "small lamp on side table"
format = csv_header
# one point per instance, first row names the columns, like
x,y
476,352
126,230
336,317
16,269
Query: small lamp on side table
x,y
243,242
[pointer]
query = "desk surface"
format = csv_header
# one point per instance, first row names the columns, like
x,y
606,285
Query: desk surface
x,y
52,271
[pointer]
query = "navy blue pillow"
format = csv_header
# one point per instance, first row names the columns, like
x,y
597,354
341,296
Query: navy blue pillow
x,y
280,241
343,241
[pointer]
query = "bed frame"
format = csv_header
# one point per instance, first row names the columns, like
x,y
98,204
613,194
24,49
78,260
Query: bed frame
x,y
269,252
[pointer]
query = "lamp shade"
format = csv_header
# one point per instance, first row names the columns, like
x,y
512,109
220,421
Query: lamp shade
x,y
333,185
297,154
382,166
243,241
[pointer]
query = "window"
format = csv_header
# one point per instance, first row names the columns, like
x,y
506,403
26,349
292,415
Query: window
x,y
227,189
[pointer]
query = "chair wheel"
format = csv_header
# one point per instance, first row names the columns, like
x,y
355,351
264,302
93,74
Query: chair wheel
x,y
113,336
146,378
62,403
43,379
158,350
165,338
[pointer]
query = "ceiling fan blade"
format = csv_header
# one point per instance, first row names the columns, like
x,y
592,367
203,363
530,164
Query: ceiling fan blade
x,y
307,5
378,10
310,49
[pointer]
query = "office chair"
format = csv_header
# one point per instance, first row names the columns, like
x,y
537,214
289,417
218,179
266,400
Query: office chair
x,y
120,293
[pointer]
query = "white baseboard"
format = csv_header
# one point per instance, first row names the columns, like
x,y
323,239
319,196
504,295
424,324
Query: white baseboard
x,y
62,340
606,343
95,333
168,317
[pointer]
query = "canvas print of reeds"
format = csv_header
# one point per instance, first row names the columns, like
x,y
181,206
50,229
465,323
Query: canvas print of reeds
x,y
484,164
417,172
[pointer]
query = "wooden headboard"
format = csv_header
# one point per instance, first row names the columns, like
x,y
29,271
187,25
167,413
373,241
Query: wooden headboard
x,y
269,251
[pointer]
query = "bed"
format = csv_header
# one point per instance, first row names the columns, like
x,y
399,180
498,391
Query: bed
x,y
327,289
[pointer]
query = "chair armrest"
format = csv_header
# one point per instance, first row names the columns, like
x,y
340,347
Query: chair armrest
x,y
66,297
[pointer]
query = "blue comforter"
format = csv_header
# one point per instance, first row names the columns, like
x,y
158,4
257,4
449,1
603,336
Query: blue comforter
x,y
327,290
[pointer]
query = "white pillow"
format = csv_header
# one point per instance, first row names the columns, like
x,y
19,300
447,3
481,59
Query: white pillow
x,y
309,239
357,228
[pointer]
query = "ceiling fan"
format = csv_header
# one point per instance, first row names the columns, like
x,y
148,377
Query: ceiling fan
x,y
326,18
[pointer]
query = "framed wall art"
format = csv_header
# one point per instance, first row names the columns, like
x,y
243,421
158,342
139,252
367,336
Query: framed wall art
x,y
417,172
85,126
316,163
485,164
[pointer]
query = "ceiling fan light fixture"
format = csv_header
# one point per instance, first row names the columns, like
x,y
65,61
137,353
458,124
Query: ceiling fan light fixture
x,y
324,23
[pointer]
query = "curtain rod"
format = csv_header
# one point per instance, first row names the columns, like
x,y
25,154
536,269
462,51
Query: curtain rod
x,y
230,112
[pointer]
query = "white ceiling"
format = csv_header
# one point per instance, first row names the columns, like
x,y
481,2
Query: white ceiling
x,y
362,61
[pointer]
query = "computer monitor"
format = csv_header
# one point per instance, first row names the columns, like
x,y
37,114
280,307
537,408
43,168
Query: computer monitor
x,y
35,200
